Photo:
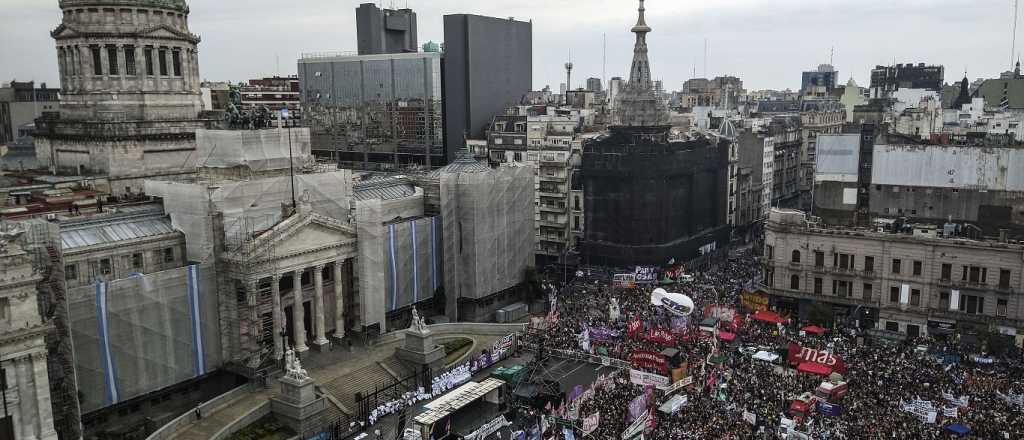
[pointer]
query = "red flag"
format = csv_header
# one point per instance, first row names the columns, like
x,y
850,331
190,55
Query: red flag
x,y
635,326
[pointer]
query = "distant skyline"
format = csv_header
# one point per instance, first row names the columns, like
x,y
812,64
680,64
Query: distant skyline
x,y
766,44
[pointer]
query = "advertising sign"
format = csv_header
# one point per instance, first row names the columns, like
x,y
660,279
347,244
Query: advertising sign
x,y
798,354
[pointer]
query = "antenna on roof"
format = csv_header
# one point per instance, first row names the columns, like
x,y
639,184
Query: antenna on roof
x,y
831,55
1013,37
705,57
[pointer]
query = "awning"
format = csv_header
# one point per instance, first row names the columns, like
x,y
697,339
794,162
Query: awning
x,y
958,429
766,356
814,368
767,316
813,329
726,336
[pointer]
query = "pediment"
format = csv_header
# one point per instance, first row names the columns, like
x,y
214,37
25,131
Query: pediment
x,y
63,31
302,234
161,32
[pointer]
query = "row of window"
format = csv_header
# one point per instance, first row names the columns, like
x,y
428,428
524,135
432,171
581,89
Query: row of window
x,y
104,267
968,273
155,60
970,304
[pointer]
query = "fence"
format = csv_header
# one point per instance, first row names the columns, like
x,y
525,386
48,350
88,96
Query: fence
x,y
579,356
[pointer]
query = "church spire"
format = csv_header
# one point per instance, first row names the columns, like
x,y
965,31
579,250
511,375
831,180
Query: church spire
x,y
640,73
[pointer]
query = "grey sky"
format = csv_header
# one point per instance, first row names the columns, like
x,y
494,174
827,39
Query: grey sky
x,y
765,42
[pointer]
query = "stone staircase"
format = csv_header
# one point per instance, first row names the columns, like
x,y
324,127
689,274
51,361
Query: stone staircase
x,y
345,387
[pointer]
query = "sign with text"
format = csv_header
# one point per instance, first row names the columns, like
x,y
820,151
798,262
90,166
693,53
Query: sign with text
x,y
648,379
798,354
646,274
648,359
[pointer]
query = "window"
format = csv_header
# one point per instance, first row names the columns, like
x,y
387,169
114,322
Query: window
x,y
770,250
944,300
517,156
917,268
896,265
576,222
819,259
162,60
794,282
71,272
5,305
817,286
576,203
1001,307
97,60
842,288
843,261
169,255
137,261
975,274
915,297
869,264
148,58
112,60
972,304
129,60
1004,278
796,256
176,62
894,294
892,326
947,272
866,292
105,267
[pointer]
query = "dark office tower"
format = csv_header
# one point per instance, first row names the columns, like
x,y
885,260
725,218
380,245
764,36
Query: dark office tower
x,y
385,30
650,198
488,65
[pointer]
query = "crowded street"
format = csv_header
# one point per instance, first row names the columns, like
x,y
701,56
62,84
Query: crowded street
x,y
844,385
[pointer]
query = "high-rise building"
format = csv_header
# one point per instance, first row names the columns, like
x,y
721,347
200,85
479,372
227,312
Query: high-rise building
x,y
649,198
374,111
819,82
385,30
594,84
488,66
130,98
887,79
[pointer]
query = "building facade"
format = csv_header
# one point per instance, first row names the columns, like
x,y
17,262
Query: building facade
x,y
914,283
21,103
488,65
819,83
374,111
130,100
817,117
274,93
887,79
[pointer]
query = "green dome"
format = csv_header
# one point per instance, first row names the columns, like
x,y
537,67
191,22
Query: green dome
x,y
176,5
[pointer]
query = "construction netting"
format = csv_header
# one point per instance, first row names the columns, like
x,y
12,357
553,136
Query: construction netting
x,y
489,229
258,150
248,207
136,335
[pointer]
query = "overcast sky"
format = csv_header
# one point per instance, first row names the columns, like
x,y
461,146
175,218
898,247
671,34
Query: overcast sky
x,y
767,43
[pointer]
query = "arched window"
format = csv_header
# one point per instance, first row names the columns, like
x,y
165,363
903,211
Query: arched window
x,y
794,282
796,256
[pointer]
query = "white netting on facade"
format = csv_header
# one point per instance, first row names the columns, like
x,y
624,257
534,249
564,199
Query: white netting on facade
x,y
137,335
258,150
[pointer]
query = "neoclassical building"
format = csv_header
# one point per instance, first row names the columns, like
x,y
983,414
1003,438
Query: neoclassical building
x,y
22,348
130,100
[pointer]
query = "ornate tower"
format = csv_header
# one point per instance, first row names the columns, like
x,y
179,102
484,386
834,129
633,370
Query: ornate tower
x,y
130,99
637,105
22,348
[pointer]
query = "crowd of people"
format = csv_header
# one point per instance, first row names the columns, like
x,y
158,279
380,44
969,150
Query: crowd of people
x,y
738,397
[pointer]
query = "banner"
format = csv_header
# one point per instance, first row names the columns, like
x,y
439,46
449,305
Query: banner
x,y
489,428
602,334
950,411
754,301
721,312
646,274
829,409
798,354
634,327
648,379
749,417
590,423
648,359
661,336
638,406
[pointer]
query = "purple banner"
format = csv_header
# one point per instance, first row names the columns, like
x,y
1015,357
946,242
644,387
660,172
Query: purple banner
x,y
680,323
601,334
576,391
637,407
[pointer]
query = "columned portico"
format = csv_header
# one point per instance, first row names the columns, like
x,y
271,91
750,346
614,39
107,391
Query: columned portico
x,y
305,243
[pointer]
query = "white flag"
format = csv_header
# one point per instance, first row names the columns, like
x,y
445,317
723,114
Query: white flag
x,y
904,294
954,300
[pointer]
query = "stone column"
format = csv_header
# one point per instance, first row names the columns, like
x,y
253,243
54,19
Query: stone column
x,y
43,405
278,313
318,314
298,314
339,301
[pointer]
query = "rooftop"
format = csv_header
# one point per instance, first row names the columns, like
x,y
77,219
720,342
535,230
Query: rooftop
x,y
109,230
384,188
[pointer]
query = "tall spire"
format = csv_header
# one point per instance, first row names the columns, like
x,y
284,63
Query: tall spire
x,y
640,73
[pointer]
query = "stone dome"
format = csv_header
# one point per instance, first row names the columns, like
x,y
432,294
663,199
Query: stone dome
x,y
175,5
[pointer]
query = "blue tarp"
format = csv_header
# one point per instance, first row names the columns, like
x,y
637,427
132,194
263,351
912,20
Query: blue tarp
x,y
958,429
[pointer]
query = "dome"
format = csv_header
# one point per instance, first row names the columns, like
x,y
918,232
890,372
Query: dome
x,y
175,5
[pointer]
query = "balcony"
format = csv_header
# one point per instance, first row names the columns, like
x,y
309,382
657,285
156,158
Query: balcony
x,y
544,178
553,208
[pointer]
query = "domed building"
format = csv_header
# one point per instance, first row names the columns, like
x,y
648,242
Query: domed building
x,y
130,100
